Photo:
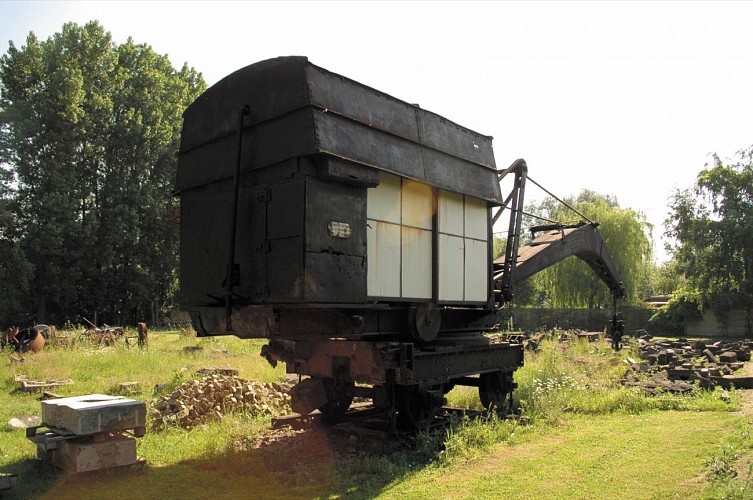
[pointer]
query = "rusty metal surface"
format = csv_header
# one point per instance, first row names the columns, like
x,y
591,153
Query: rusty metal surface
x,y
299,109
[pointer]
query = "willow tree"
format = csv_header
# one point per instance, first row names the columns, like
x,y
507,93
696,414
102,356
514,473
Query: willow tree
x,y
712,225
90,129
627,235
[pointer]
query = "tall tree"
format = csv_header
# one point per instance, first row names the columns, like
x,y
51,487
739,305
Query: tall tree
x,y
712,225
627,234
90,129
15,271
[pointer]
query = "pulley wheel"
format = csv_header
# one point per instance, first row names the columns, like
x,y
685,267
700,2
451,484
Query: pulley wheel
x,y
425,320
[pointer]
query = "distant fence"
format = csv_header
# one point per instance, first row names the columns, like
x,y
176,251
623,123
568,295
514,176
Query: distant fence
x,y
590,320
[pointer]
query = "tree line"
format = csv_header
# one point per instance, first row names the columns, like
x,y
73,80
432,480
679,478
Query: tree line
x,y
89,131
711,229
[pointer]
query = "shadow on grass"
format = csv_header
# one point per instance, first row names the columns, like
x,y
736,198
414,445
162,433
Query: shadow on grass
x,y
316,463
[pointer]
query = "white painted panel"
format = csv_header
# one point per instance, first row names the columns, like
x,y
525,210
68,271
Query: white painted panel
x,y
416,263
451,267
383,252
476,217
418,204
476,270
383,201
450,213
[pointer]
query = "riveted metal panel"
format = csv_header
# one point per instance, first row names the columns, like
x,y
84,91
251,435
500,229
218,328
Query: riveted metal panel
x,y
416,263
203,243
268,143
330,206
335,278
285,276
383,201
271,88
476,219
285,210
476,270
417,204
383,243
450,213
451,267
298,109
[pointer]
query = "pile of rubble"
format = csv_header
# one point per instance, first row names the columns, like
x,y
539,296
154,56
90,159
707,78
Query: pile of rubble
x,y
677,366
213,396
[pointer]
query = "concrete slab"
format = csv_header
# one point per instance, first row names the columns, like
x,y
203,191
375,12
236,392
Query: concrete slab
x,y
87,455
94,413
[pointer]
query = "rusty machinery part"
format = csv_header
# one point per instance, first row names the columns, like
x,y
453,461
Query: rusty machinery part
x,y
616,328
425,321
28,339
332,397
495,391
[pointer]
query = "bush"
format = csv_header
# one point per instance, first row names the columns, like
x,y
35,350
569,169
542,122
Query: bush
x,y
685,304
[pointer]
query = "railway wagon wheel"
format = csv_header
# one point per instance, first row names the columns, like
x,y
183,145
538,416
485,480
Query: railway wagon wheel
x,y
339,398
416,408
495,391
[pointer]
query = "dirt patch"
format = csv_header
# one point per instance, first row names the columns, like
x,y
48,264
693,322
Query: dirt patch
x,y
747,401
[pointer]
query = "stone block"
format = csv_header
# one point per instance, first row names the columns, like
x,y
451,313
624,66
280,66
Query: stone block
x,y
94,413
743,355
85,455
681,374
740,382
728,357
709,356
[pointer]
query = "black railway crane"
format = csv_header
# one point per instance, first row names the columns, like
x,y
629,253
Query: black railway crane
x,y
354,232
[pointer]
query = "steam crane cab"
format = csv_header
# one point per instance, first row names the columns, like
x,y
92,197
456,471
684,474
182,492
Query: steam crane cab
x,y
351,230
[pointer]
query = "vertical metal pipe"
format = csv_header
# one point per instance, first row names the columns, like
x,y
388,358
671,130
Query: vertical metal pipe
x,y
229,281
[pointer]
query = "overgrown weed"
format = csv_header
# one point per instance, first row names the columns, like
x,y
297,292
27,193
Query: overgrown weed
x,y
468,438
584,378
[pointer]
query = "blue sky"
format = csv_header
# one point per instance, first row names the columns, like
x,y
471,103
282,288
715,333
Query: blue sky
x,y
626,99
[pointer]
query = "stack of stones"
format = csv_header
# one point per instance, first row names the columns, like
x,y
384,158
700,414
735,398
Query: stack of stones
x,y
213,396
677,365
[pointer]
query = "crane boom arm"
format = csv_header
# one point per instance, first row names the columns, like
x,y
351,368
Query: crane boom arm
x,y
555,243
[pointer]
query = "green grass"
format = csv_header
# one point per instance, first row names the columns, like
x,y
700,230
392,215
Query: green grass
x,y
651,455
581,435
96,369
730,467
